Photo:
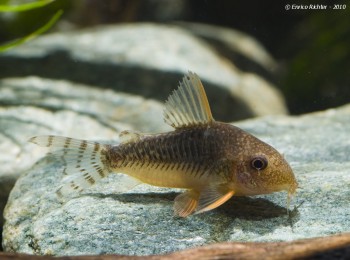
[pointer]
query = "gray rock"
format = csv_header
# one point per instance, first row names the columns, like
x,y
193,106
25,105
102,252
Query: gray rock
x,y
148,60
234,43
33,106
141,221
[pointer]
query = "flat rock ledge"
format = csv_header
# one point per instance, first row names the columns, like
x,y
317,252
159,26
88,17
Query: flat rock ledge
x,y
140,222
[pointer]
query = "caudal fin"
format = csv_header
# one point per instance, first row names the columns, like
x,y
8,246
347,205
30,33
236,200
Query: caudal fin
x,y
84,161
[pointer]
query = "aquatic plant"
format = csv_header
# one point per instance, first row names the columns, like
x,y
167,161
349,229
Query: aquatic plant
x,y
27,7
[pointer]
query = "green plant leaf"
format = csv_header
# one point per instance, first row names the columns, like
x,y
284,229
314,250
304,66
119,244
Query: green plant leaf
x,y
24,7
41,30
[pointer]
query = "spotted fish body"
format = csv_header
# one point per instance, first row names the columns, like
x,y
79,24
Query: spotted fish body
x,y
211,160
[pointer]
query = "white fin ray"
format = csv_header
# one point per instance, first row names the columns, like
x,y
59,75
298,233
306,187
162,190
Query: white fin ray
x,y
188,105
83,160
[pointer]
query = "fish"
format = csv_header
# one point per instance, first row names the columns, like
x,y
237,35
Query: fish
x,y
211,160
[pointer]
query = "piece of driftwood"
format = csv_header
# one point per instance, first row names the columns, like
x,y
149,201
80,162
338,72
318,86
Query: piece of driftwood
x,y
332,247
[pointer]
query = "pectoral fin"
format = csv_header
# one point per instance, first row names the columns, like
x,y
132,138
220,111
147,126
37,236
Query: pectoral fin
x,y
212,197
197,202
186,203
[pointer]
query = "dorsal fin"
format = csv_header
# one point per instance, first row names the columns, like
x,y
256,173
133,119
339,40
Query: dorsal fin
x,y
188,105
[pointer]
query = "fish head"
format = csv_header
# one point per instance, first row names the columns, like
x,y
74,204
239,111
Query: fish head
x,y
262,169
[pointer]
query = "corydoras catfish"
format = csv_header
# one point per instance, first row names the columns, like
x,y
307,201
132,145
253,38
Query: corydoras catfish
x,y
211,160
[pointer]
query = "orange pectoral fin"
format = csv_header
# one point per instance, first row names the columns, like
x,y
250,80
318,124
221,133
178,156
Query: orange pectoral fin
x,y
213,197
186,203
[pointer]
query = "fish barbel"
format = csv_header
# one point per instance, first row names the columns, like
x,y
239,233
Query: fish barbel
x,y
211,160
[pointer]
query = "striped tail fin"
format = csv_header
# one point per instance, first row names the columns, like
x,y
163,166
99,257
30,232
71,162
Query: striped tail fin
x,y
84,161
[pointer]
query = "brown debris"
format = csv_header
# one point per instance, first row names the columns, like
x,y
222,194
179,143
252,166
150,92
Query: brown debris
x,y
332,247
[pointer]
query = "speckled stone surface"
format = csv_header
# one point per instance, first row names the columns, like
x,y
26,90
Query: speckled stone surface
x,y
34,106
141,221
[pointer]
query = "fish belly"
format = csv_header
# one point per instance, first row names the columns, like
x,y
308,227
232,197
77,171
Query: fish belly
x,y
165,176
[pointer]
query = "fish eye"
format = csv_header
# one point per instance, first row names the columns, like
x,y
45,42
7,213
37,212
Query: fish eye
x,y
259,163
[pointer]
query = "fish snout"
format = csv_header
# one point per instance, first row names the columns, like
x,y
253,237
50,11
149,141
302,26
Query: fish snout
x,y
262,175
285,179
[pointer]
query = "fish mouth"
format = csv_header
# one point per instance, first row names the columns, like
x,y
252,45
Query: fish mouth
x,y
291,192
289,188
249,186
293,189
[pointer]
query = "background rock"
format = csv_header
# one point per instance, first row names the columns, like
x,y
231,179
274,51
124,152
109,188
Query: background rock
x,y
34,106
141,221
242,49
145,59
